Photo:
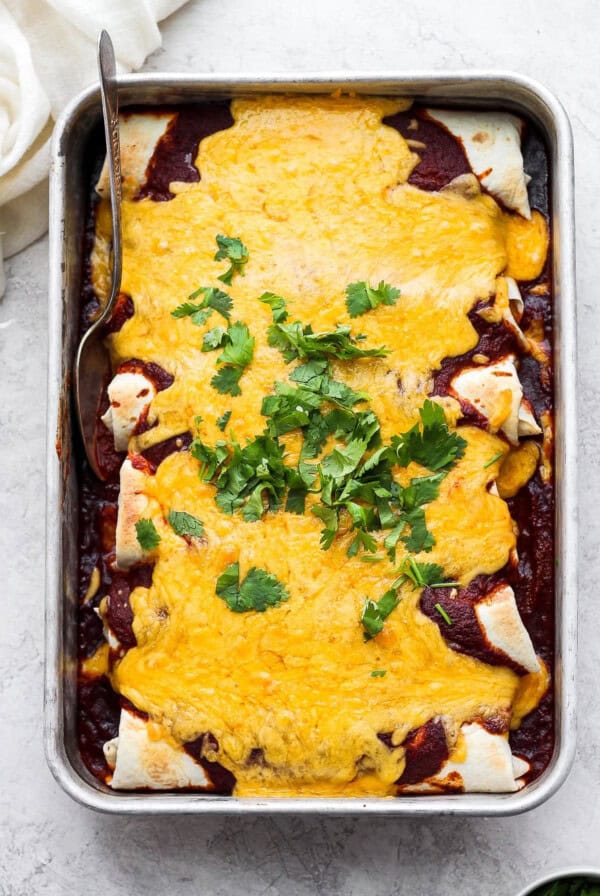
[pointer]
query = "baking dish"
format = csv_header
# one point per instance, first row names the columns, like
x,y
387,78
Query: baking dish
x,y
68,202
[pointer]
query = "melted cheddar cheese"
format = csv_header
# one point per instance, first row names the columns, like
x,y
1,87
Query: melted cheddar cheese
x,y
317,189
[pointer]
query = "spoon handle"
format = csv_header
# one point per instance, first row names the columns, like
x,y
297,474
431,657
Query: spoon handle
x,y
110,107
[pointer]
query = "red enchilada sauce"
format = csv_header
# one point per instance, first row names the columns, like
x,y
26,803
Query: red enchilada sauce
x,y
442,159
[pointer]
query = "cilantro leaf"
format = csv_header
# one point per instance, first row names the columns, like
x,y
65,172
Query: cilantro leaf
x,y
434,447
213,300
254,507
375,613
226,381
341,394
315,435
237,354
420,538
146,534
299,407
183,523
289,408
233,249
420,574
361,539
296,341
378,673
255,474
219,301
210,459
329,516
390,541
297,491
186,309
259,590
344,460
214,339
311,374
277,304
360,297
228,584
223,420
422,490
239,351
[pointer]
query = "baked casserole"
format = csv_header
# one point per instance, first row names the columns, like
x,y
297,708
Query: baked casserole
x,y
322,562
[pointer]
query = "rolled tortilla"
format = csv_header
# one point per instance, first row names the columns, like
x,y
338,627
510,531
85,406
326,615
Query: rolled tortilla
x,y
133,505
495,392
500,621
139,135
140,759
130,395
492,143
486,623
481,762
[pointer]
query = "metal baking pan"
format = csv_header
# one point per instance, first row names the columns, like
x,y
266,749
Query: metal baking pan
x,y
67,210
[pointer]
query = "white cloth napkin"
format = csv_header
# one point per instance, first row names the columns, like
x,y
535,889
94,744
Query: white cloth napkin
x,y
47,55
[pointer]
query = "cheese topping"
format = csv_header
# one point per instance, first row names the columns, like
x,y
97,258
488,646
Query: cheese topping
x,y
317,190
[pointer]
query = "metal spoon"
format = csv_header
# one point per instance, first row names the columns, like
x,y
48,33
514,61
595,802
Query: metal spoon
x,y
92,363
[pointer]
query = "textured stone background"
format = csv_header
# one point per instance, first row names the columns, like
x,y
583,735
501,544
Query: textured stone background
x,y
48,844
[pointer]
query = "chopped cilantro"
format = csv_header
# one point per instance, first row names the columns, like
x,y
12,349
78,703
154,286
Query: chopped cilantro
x,y
258,591
297,341
329,516
147,536
369,493
422,574
301,406
443,614
362,539
390,542
297,490
251,479
420,538
378,673
434,447
223,420
344,460
226,380
290,408
422,490
376,612
237,354
360,297
183,523
315,376
213,300
239,350
364,485
277,304
493,460
214,339
233,249
210,459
